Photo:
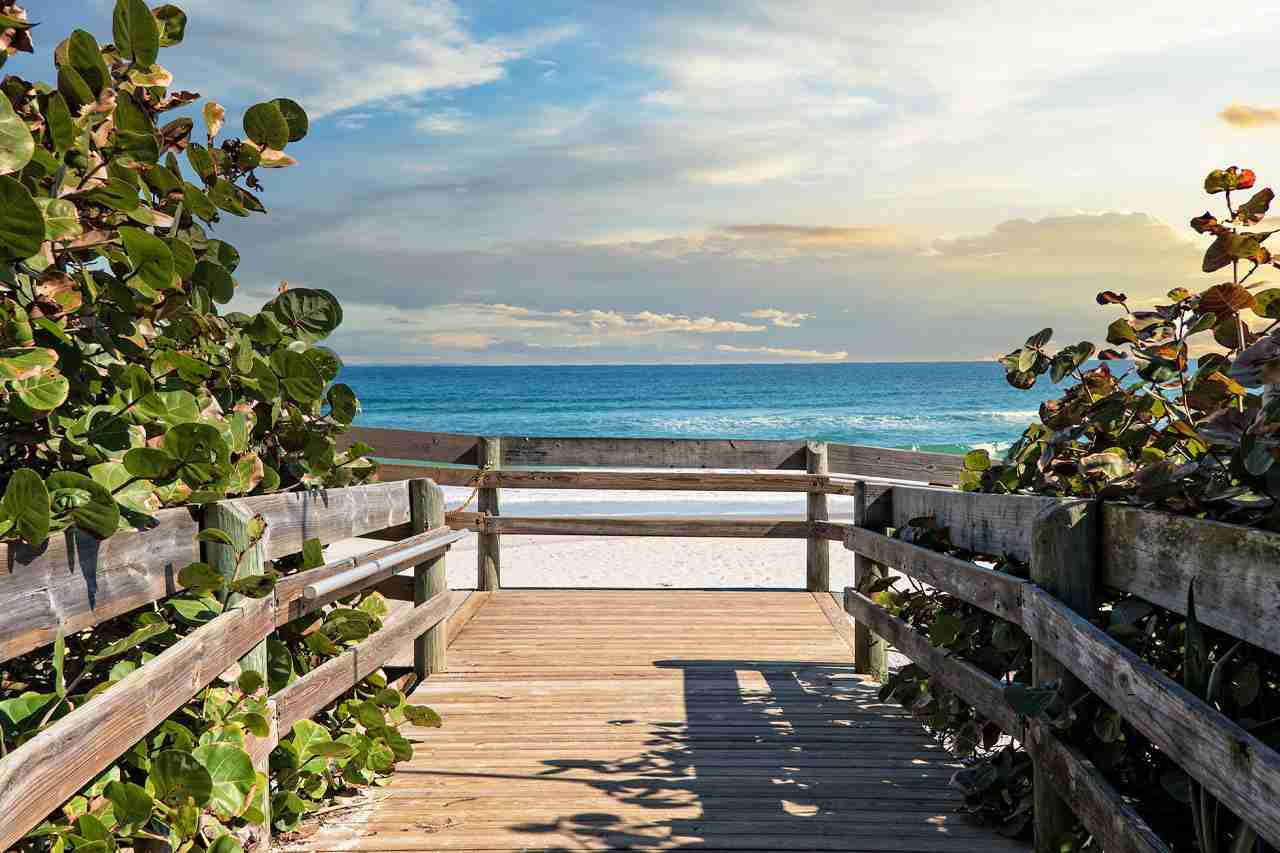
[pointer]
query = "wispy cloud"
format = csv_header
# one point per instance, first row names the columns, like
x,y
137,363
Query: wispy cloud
x,y
1243,115
778,317
784,353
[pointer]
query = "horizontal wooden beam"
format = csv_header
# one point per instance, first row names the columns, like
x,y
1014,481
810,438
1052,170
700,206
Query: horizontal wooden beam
x,y
305,697
77,581
995,592
943,468
999,525
1156,555
1097,803
1233,765
638,480
745,528
653,453
327,514
414,445
47,770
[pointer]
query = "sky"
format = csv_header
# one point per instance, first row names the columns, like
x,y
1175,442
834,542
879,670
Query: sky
x,y
569,181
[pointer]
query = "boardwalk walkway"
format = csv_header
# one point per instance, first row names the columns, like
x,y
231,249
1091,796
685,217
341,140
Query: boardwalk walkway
x,y
660,721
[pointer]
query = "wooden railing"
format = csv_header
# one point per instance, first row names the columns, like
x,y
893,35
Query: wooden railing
x,y
77,582
1073,547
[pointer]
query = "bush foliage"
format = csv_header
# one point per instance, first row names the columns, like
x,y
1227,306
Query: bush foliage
x,y
1181,412
124,388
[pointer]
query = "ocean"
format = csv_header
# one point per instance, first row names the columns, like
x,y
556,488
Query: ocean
x,y
945,407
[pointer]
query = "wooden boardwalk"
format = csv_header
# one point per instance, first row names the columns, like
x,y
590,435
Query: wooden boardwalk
x,y
660,721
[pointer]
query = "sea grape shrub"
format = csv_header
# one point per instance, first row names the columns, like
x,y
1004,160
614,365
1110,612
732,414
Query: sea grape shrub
x,y
1180,411
124,388
1190,419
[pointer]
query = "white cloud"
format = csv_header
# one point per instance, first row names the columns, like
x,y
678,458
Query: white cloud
x,y
444,122
778,317
784,353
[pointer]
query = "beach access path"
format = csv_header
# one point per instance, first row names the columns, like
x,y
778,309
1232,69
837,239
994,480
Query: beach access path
x,y
659,720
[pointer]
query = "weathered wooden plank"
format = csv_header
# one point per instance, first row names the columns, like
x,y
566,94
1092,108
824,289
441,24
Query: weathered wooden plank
x,y
327,514
752,528
943,468
1155,555
836,617
870,650
817,549
654,453
426,503
989,524
465,612
77,581
675,481
47,770
410,444
308,695
1064,563
1233,765
488,543
995,592
390,472
1096,802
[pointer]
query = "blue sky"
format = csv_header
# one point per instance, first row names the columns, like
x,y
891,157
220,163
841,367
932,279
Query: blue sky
x,y
711,181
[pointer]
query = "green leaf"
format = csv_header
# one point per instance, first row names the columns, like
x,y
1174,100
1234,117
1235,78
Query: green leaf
x,y
312,553
25,362
173,24
201,577
295,116
266,125
309,314
85,57
26,500
21,223
17,145
61,219
29,706
136,32
1267,303
298,376
254,586
307,737
1029,701
131,804
202,161
214,278
85,501
421,715
213,534
116,194
231,772
250,681
150,463
977,460
178,775
198,203
151,259
202,456
129,643
279,665
43,393
223,194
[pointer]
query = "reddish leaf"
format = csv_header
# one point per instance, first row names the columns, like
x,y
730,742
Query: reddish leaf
x,y
1226,298
1207,224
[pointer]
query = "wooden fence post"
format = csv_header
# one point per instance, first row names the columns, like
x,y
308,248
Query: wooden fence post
x,y
426,512
489,566
228,560
870,650
1065,561
818,551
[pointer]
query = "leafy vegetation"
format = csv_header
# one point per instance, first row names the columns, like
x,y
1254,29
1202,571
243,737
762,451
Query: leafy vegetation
x,y
1180,412
125,389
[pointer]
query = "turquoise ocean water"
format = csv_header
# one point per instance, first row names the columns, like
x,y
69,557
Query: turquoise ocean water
x,y
950,407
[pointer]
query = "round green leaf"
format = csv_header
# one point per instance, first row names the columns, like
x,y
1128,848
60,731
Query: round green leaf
x,y
178,775
152,261
1267,303
231,772
295,116
116,194
326,361
62,129
298,376
25,362
61,219
279,665
43,393
26,500
223,194
266,125
87,502
215,279
131,804
202,456
84,55
17,145
21,223
202,161
343,405
223,253
173,24
421,715
136,32
200,577
309,314
977,460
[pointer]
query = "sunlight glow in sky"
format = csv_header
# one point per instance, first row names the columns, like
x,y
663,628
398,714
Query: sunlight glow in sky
x,y
709,180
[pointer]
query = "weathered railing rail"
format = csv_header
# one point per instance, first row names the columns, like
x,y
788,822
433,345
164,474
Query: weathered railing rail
x,y
1073,548
77,582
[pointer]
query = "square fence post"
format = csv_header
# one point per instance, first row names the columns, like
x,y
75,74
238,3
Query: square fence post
x,y
489,566
426,512
870,650
1066,545
818,551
